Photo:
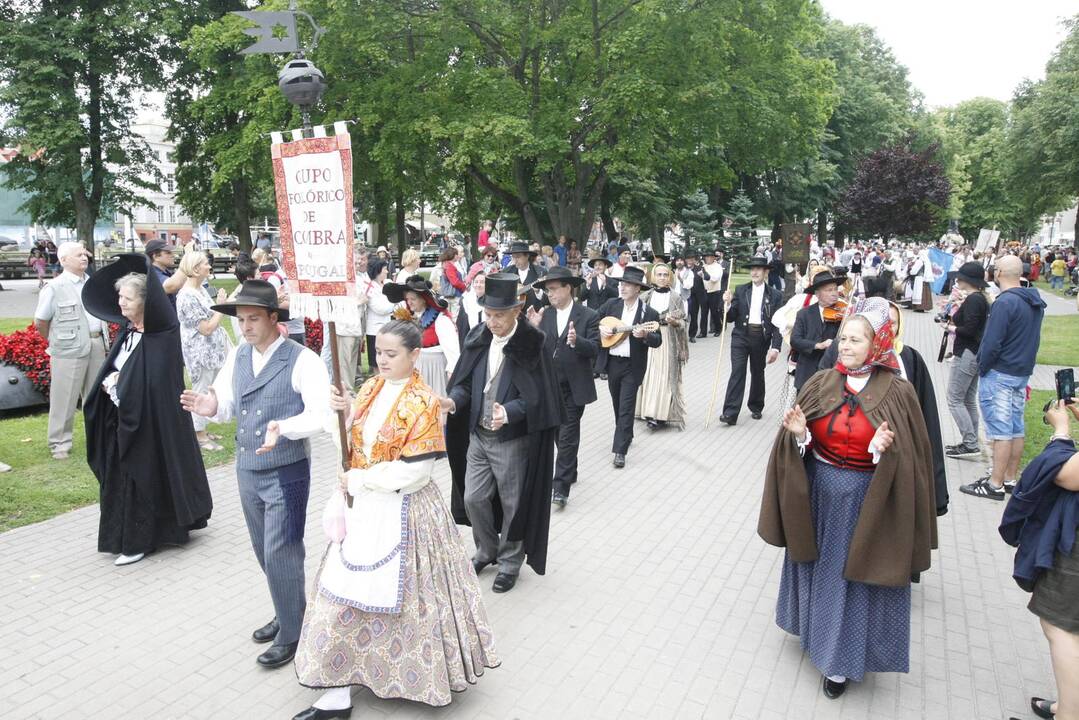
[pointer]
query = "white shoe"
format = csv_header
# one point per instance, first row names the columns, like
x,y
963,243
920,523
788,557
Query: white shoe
x,y
129,559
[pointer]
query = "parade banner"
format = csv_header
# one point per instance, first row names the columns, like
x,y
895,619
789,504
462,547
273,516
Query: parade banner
x,y
796,238
313,185
940,264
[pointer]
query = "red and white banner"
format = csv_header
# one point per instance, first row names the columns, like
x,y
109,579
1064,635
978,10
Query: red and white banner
x,y
313,182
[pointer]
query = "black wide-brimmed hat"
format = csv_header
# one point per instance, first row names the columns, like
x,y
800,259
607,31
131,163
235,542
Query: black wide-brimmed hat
x,y
824,277
522,247
634,276
253,293
599,258
758,261
558,274
502,292
101,299
973,273
395,292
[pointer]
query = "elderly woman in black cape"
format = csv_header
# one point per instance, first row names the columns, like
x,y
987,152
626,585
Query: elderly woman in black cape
x,y
139,442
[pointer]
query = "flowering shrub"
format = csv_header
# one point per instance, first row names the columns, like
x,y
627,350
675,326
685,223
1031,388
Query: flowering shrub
x,y
25,349
313,334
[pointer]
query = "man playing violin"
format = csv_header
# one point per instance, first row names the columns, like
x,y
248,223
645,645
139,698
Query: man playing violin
x,y
625,362
815,327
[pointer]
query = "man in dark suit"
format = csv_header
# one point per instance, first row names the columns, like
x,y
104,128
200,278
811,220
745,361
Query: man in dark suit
x,y
626,361
523,265
811,335
571,339
601,287
754,338
698,298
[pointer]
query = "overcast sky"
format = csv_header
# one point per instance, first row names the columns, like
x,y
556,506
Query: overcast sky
x,y
960,49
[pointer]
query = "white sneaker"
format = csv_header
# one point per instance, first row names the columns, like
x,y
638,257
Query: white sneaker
x,y
129,559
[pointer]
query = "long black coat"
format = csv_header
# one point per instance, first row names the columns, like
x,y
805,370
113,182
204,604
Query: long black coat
x,y
149,441
528,386
594,296
638,348
809,329
574,364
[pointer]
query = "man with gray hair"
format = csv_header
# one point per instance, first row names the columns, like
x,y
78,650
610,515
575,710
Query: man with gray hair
x,y
76,344
1006,359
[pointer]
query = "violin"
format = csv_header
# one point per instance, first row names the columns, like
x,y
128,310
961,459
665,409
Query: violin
x,y
836,312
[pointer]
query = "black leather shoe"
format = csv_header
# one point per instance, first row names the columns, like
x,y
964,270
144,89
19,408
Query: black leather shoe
x,y
756,416
693,338
619,460
833,690
559,499
1042,707
278,655
479,565
313,713
703,335
267,632
504,582
727,419
652,424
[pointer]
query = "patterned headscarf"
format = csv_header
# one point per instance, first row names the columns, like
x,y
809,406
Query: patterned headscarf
x,y
881,349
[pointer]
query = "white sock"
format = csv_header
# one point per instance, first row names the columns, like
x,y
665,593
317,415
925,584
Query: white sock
x,y
834,678
335,699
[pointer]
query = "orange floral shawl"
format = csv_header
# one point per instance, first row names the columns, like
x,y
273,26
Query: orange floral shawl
x,y
412,430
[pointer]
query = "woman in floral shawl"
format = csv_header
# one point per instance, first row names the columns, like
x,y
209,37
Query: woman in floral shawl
x,y
396,606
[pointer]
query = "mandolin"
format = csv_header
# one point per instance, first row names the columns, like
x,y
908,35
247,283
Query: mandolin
x,y
620,332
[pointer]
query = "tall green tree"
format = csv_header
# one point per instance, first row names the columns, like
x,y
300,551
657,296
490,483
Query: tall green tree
x,y
70,71
741,232
699,231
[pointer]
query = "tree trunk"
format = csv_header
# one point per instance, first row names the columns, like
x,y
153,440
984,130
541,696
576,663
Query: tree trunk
x,y
85,218
399,216
658,240
242,212
605,213
777,233
470,214
822,226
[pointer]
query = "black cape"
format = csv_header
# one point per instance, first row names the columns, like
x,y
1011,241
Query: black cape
x,y
534,381
918,376
145,450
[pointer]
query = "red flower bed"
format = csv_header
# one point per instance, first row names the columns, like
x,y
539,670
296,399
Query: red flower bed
x,y
25,349
313,334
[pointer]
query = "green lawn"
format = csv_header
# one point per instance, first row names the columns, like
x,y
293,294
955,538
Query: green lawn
x,y
38,487
1038,433
1060,340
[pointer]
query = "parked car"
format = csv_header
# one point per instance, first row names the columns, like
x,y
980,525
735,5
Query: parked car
x,y
429,253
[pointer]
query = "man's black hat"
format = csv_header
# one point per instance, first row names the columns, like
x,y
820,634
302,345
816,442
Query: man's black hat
x,y
558,274
602,258
633,276
522,247
824,277
501,292
253,293
758,261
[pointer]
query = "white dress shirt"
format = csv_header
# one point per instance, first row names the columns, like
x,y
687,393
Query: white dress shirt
x,y
561,318
629,315
309,379
756,304
496,354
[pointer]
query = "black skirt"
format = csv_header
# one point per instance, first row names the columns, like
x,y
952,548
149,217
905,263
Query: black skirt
x,y
1056,593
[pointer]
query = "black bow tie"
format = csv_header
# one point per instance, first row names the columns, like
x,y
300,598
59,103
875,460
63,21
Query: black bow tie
x,y
129,340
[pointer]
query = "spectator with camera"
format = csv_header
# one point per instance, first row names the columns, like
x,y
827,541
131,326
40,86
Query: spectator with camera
x,y
1006,359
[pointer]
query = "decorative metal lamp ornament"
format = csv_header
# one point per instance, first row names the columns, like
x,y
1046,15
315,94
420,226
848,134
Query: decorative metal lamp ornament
x,y
301,82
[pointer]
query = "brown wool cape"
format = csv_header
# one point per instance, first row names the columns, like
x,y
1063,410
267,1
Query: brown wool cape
x,y
897,525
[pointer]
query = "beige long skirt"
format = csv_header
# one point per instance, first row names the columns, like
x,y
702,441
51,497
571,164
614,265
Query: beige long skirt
x,y
654,397
439,643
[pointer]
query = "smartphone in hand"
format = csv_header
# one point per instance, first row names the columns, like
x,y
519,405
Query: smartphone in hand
x,y
1065,381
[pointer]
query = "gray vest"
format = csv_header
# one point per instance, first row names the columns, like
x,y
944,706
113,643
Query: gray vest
x,y
69,333
491,397
262,398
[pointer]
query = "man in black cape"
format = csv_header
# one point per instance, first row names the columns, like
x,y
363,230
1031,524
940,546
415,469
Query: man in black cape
x,y
504,413
142,448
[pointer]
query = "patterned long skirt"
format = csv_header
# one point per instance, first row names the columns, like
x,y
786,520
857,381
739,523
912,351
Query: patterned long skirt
x,y
439,643
848,628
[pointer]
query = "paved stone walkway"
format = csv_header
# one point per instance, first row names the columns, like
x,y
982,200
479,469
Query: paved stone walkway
x,y
659,602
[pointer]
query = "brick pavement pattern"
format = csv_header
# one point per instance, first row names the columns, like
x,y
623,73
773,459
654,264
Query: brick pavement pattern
x,y
658,602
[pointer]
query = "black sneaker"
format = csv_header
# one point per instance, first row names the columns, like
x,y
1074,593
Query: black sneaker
x,y
962,451
1009,486
983,488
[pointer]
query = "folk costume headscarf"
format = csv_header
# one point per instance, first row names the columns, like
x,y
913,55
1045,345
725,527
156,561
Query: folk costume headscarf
x,y
882,352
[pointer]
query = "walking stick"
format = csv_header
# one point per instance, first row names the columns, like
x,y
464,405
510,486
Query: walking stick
x,y
719,360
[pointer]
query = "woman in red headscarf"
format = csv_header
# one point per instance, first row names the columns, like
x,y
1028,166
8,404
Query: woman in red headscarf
x,y
856,526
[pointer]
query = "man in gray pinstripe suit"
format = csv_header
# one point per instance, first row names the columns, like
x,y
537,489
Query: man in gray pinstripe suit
x,y
279,393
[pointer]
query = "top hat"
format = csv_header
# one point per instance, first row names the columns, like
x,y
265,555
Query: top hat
x,y
824,277
973,273
253,293
558,274
758,261
522,247
634,276
501,292
395,292
599,258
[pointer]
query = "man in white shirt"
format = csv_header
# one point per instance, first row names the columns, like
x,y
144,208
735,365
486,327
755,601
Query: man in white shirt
x,y
625,361
716,282
76,344
279,393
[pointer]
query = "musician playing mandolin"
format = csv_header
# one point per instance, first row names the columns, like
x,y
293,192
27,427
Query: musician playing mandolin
x,y
626,360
